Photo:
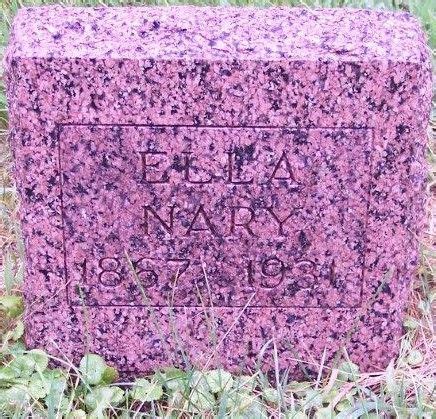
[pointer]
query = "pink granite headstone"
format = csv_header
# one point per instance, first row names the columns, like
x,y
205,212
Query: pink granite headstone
x,y
196,182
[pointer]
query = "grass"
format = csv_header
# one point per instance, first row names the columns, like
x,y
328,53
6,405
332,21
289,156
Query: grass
x,y
29,387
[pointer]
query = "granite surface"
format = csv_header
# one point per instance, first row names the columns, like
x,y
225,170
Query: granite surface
x,y
199,181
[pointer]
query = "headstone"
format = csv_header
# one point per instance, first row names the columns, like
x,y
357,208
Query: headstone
x,y
197,183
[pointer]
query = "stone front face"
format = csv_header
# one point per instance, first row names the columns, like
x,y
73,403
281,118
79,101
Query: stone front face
x,y
197,199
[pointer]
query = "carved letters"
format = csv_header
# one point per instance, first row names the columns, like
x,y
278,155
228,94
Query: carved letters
x,y
176,221
157,167
268,273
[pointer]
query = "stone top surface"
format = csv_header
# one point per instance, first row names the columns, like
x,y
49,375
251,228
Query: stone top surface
x,y
186,32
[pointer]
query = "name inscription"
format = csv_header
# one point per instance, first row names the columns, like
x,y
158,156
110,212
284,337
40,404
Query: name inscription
x,y
192,216
189,166
158,167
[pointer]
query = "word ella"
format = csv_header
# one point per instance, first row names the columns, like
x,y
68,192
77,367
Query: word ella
x,y
158,165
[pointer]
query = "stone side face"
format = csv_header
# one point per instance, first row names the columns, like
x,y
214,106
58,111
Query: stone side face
x,y
201,207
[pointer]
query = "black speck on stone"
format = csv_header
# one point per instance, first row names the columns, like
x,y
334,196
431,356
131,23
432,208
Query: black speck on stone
x,y
304,242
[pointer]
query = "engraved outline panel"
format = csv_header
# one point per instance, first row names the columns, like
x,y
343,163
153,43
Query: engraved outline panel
x,y
370,131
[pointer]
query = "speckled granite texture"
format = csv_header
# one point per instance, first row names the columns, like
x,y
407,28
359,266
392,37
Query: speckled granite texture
x,y
259,172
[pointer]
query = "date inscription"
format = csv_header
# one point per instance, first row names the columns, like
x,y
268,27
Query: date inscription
x,y
268,273
145,276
